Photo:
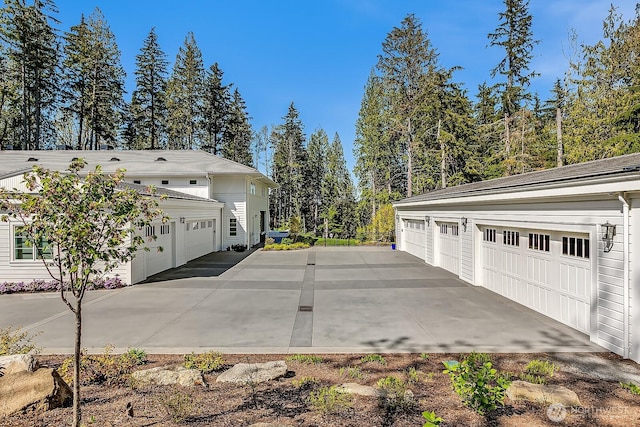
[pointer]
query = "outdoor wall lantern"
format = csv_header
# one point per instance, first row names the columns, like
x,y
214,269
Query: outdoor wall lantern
x,y
608,233
427,219
181,220
463,221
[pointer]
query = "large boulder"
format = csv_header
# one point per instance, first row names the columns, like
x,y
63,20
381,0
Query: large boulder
x,y
253,372
169,376
18,363
547,394
38,391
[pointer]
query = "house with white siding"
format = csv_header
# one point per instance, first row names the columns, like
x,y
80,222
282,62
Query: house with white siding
x,y
563,242
213,204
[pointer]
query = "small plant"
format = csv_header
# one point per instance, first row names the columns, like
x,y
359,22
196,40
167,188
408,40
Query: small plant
x,y
413,376
424,356
479,385
395,394
373,358
432,420
207,362
352,372
538,371
176,404
305,383
105,368
330,400
136,355
307,359
633,388
17,341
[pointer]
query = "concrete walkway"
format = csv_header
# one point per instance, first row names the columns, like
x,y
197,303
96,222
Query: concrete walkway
x,y
363,299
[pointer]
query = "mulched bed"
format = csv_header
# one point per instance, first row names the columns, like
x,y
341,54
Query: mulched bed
x,y
603,403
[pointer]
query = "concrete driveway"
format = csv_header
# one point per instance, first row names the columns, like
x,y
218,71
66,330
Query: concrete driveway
x,y
364,299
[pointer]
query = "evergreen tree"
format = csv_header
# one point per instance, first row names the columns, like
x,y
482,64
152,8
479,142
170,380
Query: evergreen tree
x,y
487,138
9,103
515,36
148,100
217,103
185,97
289,158
94,81
32,65
261,148
316,170
237,132
338,193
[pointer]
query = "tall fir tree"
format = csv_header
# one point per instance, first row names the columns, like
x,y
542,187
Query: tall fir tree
x,y
513,34
317,156
338,195
238,133
148,99
217,103
185,97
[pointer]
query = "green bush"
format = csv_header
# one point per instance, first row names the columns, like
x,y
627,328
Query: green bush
x,y
373,358
206,362
308,359
432,420
136,355
352,372
105,368
177,404
285,247
16,341
305,383
330,400
286,241
395,394
479,385
633,388
538,371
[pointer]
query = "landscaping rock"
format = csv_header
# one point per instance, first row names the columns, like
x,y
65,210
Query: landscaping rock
x,y
169,376
253,372
18,363
39,391
547,394
359,389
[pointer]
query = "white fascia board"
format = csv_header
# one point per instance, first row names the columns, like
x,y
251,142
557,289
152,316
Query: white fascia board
x,y
558,192
189,204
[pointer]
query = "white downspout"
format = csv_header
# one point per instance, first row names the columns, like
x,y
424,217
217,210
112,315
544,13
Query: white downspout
x,y
625,272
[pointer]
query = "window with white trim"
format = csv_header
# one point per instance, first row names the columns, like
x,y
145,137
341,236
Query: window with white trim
x,y
150,231
443,228
511,238
209,224
165,229
195,225
24,250
203,224
575,246
165,181
455,230
193,182
489,235
539,242
253,189
233,227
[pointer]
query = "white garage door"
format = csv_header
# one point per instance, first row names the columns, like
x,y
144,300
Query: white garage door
x,y
449,247
549,272
414,237
199,238
156,260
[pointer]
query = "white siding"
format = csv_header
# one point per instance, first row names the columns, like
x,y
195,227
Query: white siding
x,y
232,191
466,252
181,184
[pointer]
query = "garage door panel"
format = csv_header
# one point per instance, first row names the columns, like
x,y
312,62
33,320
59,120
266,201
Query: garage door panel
x,y
414,238
449,247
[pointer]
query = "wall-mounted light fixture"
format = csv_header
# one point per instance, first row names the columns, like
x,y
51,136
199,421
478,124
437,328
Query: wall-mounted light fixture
x,y
427,219
181,220
463,221
608,233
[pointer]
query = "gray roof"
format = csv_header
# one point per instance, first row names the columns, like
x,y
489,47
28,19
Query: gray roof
x,y
623,166
136,162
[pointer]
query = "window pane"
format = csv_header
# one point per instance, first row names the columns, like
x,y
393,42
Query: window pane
x,y
22,248
572,246
546,242
565,243
586,248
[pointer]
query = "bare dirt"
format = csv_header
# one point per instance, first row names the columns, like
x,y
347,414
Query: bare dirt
x,y
282,402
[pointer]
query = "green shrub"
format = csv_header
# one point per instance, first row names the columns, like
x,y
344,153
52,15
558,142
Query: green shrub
x,y
307,359
330,400
285,247
136,355
633,388
373,358
352,372
286,241
395,394
479,385
105,368
432,420
207,362
424,356
16,341
305,383
177,404
413,376
538,371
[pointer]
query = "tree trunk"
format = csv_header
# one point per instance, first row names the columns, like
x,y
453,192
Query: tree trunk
x,y
76,366
560,159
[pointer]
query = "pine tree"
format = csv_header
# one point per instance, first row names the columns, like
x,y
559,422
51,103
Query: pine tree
x,y
217,103
515,36
94,81
31,44
185,97
148,100
316,170
338,193
237,132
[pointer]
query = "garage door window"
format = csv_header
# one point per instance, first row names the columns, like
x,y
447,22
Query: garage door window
x,y
511,238
455,230
575,246
443,228
489,235
539,242
165,229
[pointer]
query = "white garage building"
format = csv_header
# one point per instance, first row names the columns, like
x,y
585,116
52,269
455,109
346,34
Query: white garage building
x,y
562,242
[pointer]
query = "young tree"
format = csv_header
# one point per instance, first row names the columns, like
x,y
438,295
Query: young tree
x,y
82,227
149,96
515,36
185,97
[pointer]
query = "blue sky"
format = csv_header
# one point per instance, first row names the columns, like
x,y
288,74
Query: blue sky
x,y
319,53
